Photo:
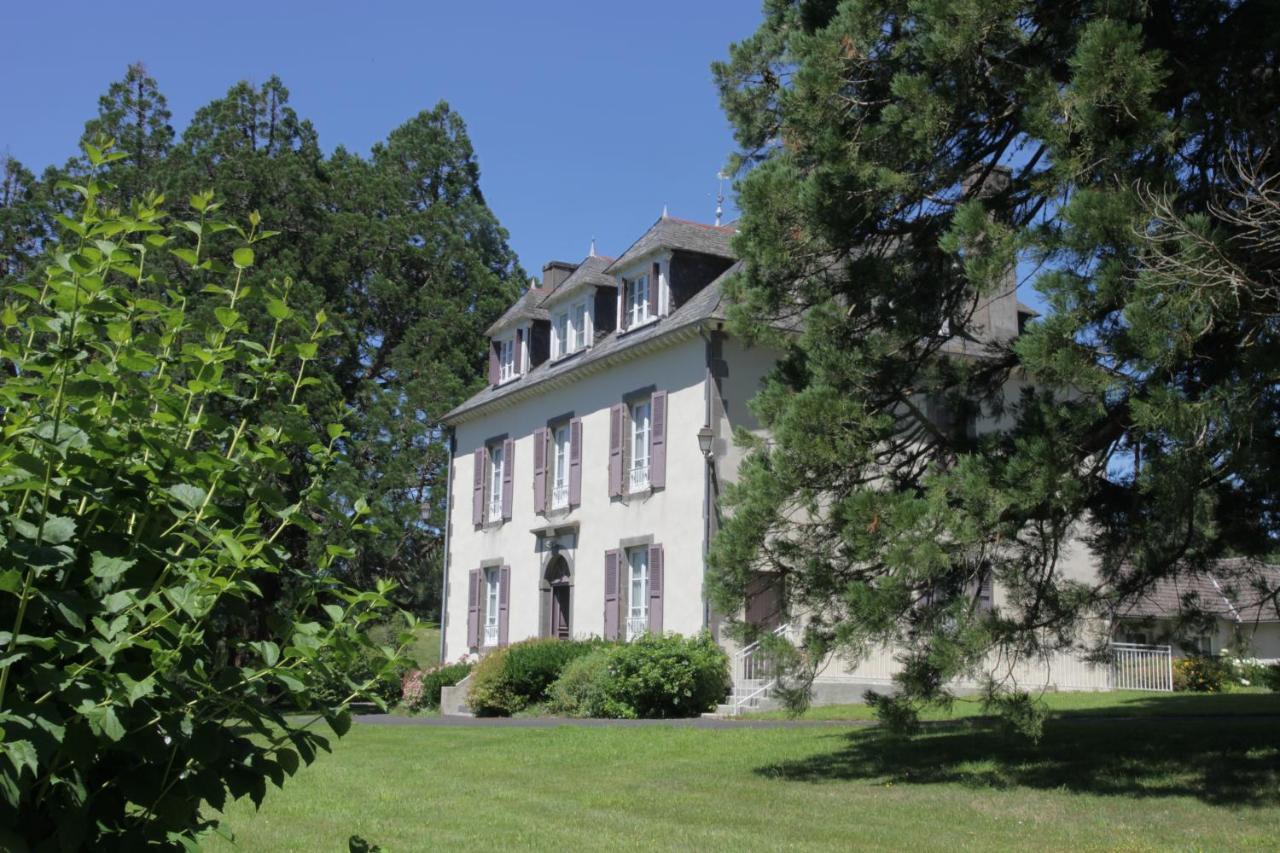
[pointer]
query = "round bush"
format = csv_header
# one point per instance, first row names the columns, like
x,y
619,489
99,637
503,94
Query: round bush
x,y
580,691
509,679
1199,675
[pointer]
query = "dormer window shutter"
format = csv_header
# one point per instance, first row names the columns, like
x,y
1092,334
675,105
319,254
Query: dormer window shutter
x,y
540,470
477,490
493,362
616,440
518,354
575,462
654,289
508,465
622,305
658,440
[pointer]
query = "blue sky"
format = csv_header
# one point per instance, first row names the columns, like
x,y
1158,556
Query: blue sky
x,y
586,117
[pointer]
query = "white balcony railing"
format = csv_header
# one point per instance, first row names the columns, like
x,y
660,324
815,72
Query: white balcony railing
x,y
639,478
636,626
491,635
560,496
495,510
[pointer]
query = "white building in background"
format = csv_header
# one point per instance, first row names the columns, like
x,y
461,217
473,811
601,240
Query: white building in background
x,y
585,476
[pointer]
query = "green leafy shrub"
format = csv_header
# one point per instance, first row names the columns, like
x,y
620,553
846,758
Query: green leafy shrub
x,y
510,679
422,689
140,521
582,688
1271,677
1200,674
668,676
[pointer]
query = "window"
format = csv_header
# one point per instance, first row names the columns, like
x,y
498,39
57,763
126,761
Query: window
x,y
491,580
561,335
506,359
560,467
637,306
640,428
637,592
496,463
579,326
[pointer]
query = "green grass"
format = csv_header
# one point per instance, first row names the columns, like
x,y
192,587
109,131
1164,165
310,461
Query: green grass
x,y
425,648
1120,703
1112,784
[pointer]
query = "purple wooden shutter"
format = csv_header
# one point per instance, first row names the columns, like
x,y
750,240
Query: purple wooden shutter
x,y
655,589
540,470
515,353
504,599
615,450
611,561
654,290
658,440
508,466
493,362
575,462
473,608
477,491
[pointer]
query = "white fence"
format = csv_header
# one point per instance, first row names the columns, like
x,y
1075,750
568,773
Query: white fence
x,y
1139,667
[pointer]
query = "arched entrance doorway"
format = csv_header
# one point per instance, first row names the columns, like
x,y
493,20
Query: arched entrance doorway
x,y
557,593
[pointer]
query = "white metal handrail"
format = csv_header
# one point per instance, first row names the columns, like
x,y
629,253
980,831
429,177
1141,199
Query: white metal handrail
x,y
639,478
560,496
636,626
754,674
491,635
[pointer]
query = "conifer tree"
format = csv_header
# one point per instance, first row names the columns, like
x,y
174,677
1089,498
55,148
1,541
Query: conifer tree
x,y
898,159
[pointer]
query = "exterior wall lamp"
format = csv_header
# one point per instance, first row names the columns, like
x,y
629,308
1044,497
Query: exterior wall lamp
x,y
705,439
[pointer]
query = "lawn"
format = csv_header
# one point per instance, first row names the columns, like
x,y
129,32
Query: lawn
x,y
1114,784
1120,703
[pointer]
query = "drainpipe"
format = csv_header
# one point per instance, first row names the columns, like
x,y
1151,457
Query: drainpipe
x,y
709,391
450,441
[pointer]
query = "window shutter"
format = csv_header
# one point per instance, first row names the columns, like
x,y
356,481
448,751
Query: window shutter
x,y
616,441
611,561
477,490
575,462
654,290
545,593
473,608
540,470
622,305
655,589
516,353
658,440
493,362
504,599
508,467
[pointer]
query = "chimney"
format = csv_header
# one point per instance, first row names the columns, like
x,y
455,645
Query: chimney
x,y
554,272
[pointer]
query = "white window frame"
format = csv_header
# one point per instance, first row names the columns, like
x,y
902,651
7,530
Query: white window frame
x,y
636,304
497,464
492,579
561,330
640,432
560,466
506,358
581,321
637,591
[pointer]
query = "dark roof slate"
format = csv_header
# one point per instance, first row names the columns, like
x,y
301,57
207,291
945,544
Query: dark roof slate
x,y
590,273
671,233
1236,589
527,307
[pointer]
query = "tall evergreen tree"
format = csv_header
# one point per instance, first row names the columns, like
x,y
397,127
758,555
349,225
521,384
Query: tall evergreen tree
x,y
24,220
1131,137
136,115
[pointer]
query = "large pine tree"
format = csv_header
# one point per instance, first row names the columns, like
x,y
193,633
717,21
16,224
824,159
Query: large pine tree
x,y
1140,201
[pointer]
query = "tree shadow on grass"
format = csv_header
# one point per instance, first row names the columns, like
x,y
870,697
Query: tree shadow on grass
x,y
1219,761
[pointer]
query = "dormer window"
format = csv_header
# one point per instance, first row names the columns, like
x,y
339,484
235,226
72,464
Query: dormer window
x,y
570,329
506,359
637,306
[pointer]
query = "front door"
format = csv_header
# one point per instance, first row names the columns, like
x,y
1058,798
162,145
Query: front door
x,y
560,611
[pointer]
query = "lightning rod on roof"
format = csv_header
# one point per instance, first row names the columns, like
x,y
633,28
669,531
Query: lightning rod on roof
x,y
592,252
664,211
720,196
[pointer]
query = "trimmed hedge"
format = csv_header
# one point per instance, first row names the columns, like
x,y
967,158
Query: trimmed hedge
x,y
510,679
422,689
652,677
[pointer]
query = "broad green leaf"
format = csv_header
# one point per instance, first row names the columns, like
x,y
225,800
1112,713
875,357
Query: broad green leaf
x,y
340,722
187,255
109,568
277,308
307,350
10,580
188,495
22,754
226,316
58,529
242,257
